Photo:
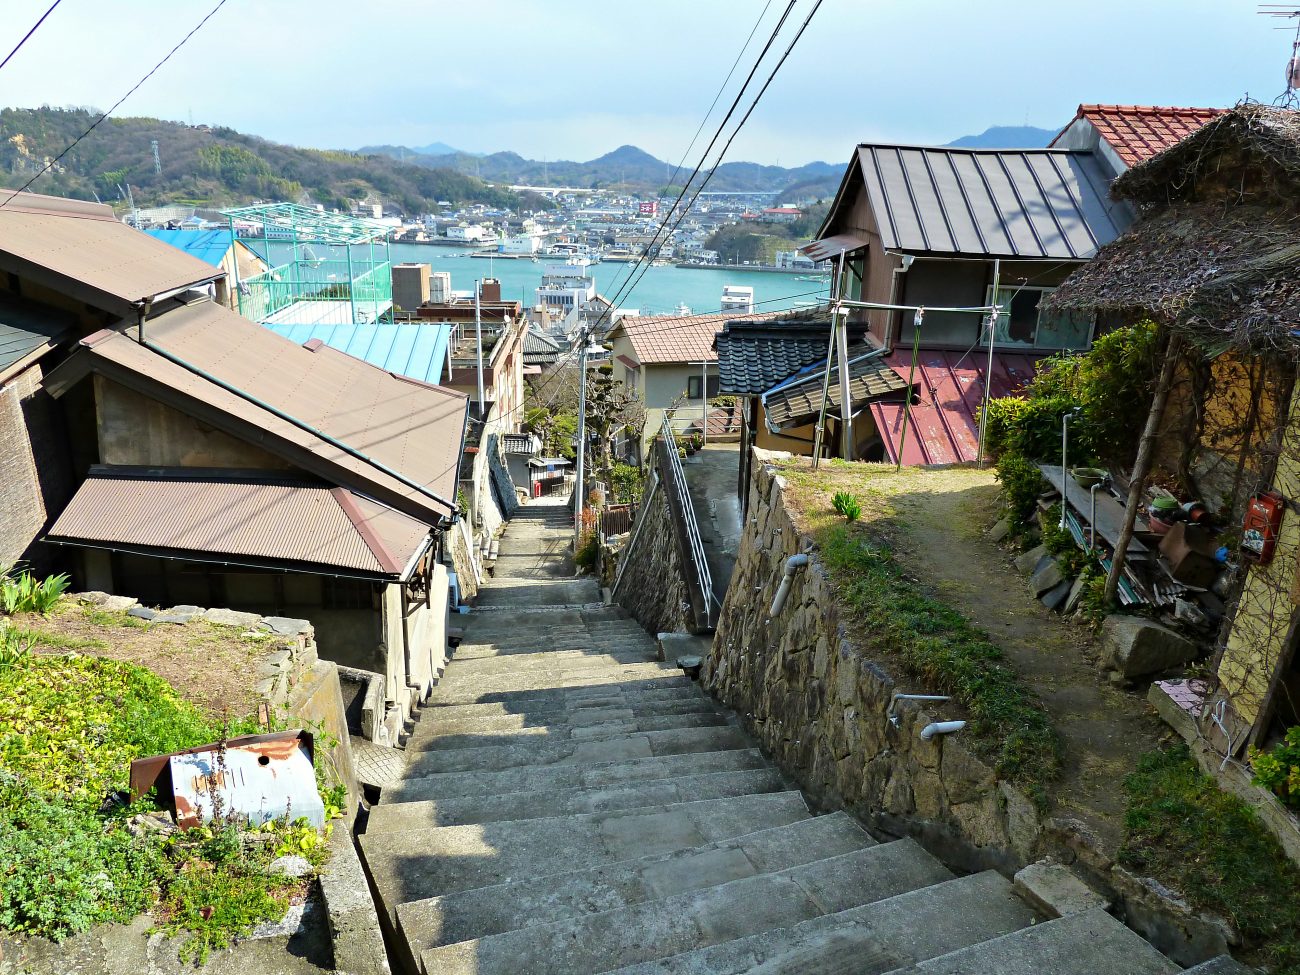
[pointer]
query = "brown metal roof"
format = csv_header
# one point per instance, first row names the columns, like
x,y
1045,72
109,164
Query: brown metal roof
x,y
411,427
234,517
830,247
83,250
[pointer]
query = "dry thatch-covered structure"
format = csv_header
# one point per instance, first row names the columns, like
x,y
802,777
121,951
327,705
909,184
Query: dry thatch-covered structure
x,y
1215,254
1214,258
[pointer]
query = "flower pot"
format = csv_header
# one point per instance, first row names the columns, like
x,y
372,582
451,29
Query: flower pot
x,y
1088,477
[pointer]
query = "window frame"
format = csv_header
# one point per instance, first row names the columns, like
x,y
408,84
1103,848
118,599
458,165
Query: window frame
x,y
1035,346
693,383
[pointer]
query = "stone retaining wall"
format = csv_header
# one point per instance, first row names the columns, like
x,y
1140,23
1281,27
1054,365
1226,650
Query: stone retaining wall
x,y
652,586
819,707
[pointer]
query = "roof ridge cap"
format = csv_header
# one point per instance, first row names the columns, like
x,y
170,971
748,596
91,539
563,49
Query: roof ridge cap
x,y
345,500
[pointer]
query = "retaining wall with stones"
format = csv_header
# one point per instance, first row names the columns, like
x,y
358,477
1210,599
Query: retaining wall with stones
x,y
820,707
652,584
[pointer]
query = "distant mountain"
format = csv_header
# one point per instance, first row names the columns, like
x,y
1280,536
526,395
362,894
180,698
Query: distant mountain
x,y
1007,137
216,167
437,149
626,167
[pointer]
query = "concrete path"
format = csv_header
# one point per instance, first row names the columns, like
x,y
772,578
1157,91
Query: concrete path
x,y
572,805
711,476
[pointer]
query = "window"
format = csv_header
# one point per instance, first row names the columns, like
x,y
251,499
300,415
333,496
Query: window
x,y
346,593
1022,323
693,387
853,273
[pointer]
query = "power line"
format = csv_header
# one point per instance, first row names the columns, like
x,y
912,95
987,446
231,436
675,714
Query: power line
x,y
28,35
739,126
51,164
623,290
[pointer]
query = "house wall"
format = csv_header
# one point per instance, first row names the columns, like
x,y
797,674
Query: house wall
x,y
1257,644
36,476
661,386
952,283
137,430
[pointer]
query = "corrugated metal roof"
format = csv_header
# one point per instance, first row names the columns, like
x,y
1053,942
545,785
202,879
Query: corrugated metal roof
x,y
239,517
667,339
26,326
409,426
830,247
944,428
417,350
82,249
209,246
798,401
1138,132
1028,203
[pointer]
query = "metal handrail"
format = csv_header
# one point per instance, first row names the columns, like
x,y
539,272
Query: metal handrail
x,y
678,474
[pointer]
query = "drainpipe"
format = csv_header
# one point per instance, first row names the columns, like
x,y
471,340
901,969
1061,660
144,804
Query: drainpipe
x,y
783,591
146,306
406,640
941,728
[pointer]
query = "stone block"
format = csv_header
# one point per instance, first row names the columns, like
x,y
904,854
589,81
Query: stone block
x,y
141,612
357,940
1046,577
1075,595
1055,597
1001,530
1164,695
284,625
1135,647
230,617
180,615
965,777
1027,562
1055,890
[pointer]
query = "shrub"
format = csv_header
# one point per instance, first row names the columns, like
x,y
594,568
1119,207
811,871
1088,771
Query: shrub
x,y
847,505
1211,846
1022,483
1279,768
626,482
23,594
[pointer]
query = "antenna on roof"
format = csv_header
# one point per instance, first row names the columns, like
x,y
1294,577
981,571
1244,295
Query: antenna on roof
x,y
1290,98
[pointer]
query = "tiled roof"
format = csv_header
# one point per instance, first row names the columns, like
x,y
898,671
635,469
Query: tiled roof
x,y
1138,132
798,402
540,349
753,360
663,339
232,516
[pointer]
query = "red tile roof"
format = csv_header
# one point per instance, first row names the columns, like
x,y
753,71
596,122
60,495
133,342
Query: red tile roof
x,y
664,339
1138,132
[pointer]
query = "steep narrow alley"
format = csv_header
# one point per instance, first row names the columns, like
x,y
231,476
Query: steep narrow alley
x,y
574,805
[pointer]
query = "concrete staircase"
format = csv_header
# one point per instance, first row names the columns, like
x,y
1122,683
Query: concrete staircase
x,y
572,805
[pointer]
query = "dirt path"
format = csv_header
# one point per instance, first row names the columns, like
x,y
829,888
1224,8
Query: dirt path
x,y
938,520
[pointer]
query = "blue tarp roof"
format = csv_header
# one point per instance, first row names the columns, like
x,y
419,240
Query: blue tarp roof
x,y
417,350
206,245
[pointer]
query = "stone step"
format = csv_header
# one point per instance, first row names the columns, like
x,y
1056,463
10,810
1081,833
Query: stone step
x,y
537,734
1088,943
522,903
501,686
565,660
1223,965
555,778
432,723
598,942
571,618
659,693
476,646
593,686
406,865
518,806
648,744
531,592
867,940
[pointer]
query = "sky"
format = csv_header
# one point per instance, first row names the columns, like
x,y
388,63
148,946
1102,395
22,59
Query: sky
x,y
558,79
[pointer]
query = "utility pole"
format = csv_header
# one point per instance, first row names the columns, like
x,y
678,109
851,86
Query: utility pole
x,y
478,342
582,443
840,324
988,372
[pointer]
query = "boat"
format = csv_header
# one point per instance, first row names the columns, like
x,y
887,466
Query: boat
x,y
813,277
683,310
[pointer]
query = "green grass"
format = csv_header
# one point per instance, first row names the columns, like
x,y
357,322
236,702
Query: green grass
x,y
1185,831
69,728
59,641
1009,728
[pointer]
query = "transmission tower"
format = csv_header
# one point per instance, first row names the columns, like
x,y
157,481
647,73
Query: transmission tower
x,y
157,162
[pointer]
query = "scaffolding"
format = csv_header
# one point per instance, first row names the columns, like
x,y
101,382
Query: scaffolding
x,y
349,282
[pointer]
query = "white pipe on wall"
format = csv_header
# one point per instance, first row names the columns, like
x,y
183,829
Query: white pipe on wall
x,y
941,728
792,563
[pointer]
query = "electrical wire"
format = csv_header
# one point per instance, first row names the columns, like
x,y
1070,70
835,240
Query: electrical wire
x,y
95,124
621,291
27,36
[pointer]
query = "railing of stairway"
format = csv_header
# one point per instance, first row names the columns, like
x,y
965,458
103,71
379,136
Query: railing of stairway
x,y
677,482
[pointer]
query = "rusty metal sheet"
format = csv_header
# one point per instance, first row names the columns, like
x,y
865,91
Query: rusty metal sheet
x,y
262,777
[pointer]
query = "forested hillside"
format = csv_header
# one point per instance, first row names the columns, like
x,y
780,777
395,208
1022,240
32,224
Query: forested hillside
x,y
216,167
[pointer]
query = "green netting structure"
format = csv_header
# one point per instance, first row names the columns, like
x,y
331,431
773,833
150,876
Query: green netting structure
x,y
325,268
